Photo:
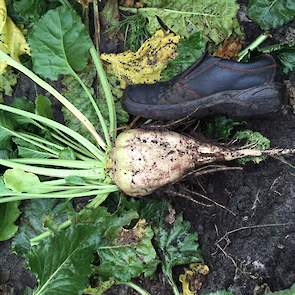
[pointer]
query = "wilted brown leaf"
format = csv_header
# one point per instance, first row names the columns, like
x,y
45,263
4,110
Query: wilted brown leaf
x,y
230,48
131,3
133,235
12,40
192,279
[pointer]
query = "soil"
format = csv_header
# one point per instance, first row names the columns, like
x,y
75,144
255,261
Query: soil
x,y
249,245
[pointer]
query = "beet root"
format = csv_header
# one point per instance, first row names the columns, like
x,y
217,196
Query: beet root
x,y
145,160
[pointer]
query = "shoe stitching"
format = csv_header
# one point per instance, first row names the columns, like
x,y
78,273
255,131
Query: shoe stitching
x,y
247,70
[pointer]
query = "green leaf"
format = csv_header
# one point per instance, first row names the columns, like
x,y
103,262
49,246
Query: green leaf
x,y
137,33
285,53
22,103
29,150
5,136
62,262
32,10
77,96
175,243
221,128
269,14
20,181
73,91
33,152
9,213
67,154
188,51
7,80
215,19
101,289
178,245
130,254
38,214
254,140
59,43
43,106
124,253
289,291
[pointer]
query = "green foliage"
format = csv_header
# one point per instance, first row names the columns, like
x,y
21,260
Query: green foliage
x,y
20,181
221,128
77,96
73,91
253,140
178,245
130,255
215,19
9,213
36,218
134,27
285,53
7,80
43,106
290,291
188,51
269,14
12,125
62,263
175,243
32,10
57,261
59,43
101,289
124,254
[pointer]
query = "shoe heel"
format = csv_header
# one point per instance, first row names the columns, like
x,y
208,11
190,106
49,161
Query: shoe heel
x,y
262,100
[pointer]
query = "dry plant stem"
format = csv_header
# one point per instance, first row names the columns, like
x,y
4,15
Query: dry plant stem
x,y
88,125
173,123
205,170
252,227
212,201
188,198
96,25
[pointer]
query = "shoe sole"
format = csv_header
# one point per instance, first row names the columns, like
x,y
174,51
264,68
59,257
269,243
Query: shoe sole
x,y
249,102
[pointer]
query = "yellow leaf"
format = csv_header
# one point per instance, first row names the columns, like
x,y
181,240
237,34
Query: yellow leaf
x,y
192,279
145,65
12,41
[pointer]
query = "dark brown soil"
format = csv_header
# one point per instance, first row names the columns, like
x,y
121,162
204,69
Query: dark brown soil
x,y
261,249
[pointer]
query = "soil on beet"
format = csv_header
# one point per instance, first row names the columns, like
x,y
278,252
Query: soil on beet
x,y
247,260
249,245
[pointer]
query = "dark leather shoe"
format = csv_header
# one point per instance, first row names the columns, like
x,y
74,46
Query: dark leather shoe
x,y
211,86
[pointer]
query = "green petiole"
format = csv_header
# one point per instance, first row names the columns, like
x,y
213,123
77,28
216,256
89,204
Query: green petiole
x,y
90,164
86,143
81,152
29,196
94,173
107,91
10,61
98,112
41,146
260,39
41,140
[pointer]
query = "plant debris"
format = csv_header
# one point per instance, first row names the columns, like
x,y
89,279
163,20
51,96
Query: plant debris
x,y
146,64
12,40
